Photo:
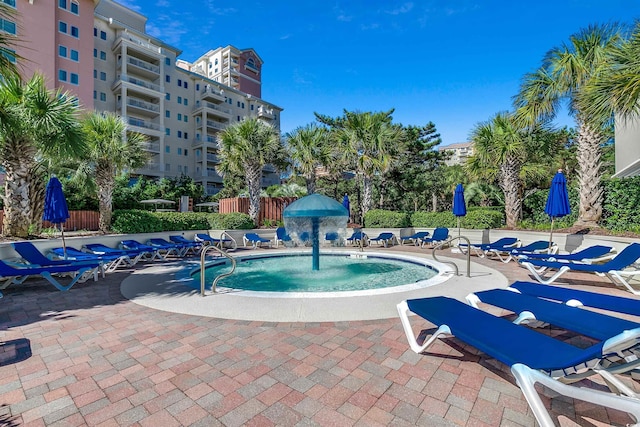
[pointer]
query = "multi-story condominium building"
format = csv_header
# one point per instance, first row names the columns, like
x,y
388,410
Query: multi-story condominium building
x,y
458,153
100,51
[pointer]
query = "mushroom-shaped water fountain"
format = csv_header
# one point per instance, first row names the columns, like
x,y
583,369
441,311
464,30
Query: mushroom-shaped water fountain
x,y
315,214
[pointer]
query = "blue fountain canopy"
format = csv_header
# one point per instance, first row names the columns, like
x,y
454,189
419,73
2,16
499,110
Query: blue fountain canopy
x,y
315,205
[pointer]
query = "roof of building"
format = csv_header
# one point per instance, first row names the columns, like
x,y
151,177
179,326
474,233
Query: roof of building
x,y
456,146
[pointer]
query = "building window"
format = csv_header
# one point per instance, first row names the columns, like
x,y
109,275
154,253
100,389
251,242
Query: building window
x,y
186,135
62,75
95,53
180,151
167,114
186,118
167,96
95,94
238,104
62,51
75,32
197,86
11,3
95,32
75,8
62,4
186,85
62,27
95,73
179,116
186,101
103,97
179,133
167,131
238,118
179,82
167,167
103,76
74,78
167,61
167,149
186,168
186,151
74,55
103,55
251,107
179,100
167,78
103,35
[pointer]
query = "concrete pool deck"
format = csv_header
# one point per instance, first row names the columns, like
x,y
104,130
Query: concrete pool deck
x,y
89,356
164,288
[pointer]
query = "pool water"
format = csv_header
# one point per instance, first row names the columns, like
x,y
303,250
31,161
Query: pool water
x,y
292,273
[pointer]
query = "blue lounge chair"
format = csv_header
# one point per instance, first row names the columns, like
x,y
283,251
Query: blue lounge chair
x,y
440,234
110,262
530,308
149,253
532,357
208,240
80,273
332,237
166,248
35,258
282,237
539,247
613,269
415,238
255,240
100,249
482,249
188,245
576,297
588,255
358,238
384,239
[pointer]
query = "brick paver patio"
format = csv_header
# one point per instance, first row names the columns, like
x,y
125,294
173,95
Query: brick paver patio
x,y
90,357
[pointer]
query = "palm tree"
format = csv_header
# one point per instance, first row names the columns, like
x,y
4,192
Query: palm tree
x,y
617,88
499,153
8,43
308,149
246,148
566,73
368,140
35,123
112,150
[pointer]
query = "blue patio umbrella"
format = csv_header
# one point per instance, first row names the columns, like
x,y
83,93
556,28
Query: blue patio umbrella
x,y
558,201
55,207
459,205
346,204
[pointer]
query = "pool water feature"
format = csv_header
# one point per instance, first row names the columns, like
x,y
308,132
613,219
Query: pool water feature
x,y
340,272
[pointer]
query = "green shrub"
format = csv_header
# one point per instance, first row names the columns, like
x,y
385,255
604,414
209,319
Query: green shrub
x,y
230,221
176,221
129,221
621,201
479,218
378,218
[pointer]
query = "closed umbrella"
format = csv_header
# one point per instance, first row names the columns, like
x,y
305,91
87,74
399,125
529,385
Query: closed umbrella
x,y
558,201
459,205
346,204
55,207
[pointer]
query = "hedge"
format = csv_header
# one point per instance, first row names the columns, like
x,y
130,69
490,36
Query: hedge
x,y
379,218
139,221
475,218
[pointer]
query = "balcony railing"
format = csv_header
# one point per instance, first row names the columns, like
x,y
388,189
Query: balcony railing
x,y
151,146
138,82
215,125
135,102
264,112
251,67
150,167
143,64
133,121
213,106
139,42
213,158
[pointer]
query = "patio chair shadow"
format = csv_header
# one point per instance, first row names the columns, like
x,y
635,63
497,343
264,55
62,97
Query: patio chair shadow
x,y
14,351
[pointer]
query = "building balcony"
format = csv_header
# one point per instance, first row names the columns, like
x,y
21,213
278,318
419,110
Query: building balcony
x,y
134,41
150,168
153,147
141,107
211,125
266,113
213,158
212,109
209,141
142,68
145,87
251,68
143,126
210,93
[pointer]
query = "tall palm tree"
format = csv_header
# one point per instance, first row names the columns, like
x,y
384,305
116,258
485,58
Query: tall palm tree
x,y
617,88
368,140
565,74
246,147
308,149
112,150
35,123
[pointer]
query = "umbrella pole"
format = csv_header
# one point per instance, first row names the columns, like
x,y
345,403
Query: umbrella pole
x,y
64,245
551,236
458,226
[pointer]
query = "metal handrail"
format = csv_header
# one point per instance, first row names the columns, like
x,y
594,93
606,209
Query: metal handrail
x,y
220,276
455,266
227,235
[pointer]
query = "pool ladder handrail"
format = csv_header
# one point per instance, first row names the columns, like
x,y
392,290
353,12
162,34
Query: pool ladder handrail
x,y
455,266
224,235
203,255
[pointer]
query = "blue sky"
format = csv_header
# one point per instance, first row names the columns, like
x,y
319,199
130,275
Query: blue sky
x,y
452,62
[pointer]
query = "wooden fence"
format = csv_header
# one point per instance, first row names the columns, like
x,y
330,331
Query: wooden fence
x,y
271,208
79,220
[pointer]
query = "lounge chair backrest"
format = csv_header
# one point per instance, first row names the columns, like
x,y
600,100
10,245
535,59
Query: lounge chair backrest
x,y
204,237
385,236
440,233
30,253
535,246
252,236
331,236
281,233
625,258
505,241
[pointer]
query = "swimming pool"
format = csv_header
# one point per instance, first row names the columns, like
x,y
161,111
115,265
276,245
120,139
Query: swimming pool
x,y
339,272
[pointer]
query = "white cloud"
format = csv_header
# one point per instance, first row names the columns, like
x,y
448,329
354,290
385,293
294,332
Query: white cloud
x,y
131,4
211,5
405,8
302,78
372,26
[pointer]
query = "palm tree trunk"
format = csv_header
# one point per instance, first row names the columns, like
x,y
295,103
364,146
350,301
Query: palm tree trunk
x,y
589,175
311,184
367,196
105,183
253,178
17,214
37,192
510,184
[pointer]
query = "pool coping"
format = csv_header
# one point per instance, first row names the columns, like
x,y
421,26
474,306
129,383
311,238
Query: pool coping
x,y
164,287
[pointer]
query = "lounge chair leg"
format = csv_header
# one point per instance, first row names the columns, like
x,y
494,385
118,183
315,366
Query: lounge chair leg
x,y
539,278
403,311
618,280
